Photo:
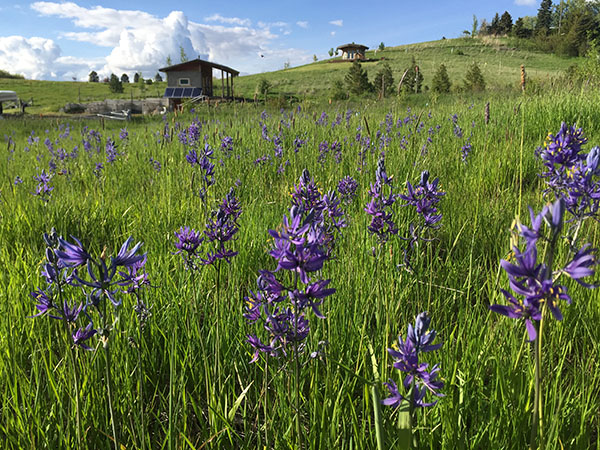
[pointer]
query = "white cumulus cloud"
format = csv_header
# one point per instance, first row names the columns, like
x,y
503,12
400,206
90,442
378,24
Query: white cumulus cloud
x,y
139,41
302,24
337,23
526,2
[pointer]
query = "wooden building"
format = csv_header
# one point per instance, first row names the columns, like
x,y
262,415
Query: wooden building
x,y
193,79
351,52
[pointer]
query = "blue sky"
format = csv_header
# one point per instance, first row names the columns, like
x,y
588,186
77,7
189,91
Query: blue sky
x,y
65,40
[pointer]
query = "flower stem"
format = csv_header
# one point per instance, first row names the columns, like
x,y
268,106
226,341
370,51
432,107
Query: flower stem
x,y
537,425
297,367
109,393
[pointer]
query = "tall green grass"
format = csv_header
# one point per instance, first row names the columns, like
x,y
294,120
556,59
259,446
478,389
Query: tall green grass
x,y
200,391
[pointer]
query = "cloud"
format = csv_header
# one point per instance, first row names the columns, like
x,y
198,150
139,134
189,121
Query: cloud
x,y
302,24
140,41
526,2
337,23
332,33
229,20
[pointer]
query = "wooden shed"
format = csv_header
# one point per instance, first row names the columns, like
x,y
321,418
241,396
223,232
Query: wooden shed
x,y
192,79
353,51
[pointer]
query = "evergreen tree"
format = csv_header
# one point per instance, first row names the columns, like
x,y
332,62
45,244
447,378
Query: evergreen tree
x,y
413,79
124,78
495,25
114,84
506,23
158,78
357,79
544,17
136,77
93,77
384,80
441,80
474,79
519,30
474,26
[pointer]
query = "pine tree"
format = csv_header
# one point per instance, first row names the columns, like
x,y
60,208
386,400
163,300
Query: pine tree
x,y
93,77
124,78
544,17
384,80
506,23
414,78
519,30
495,25
114,84
357,79
157,77
474,79
136,77
441,81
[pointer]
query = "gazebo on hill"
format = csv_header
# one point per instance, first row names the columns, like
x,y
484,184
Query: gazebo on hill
x,y
192,79
353,51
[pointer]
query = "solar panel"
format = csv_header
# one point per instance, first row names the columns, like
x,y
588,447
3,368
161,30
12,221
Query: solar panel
x,y
178,93
196,92
187,92
168,92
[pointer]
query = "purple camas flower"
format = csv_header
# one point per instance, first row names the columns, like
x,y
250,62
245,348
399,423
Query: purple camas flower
x,y
424,197
535,281
187,243
299,251
84,334
123,134
418,380
571,174
347,189
111,151
465,151
43,189
380,206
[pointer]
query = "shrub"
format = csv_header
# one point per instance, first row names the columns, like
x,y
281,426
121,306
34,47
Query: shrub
x,y
357,79
474,79
441,82
413,79
114,84
384,80
338,90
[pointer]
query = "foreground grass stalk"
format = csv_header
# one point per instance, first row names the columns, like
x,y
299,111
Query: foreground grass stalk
x,y
297,368
109,393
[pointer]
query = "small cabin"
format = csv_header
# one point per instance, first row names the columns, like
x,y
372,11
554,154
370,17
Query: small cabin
x,y
352,52
194,79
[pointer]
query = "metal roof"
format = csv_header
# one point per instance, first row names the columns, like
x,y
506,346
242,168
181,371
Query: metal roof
x,y
195,64
8,96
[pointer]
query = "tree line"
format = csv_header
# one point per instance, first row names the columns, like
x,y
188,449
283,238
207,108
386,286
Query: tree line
x,y
568,28
356,81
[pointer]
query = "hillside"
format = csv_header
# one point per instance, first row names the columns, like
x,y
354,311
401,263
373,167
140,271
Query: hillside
x,y
498,59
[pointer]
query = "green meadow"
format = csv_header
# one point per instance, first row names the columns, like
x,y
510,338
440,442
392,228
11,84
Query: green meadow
x,y
184,380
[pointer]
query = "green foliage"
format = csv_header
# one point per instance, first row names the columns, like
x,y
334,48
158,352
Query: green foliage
x,y
357,80
315,59
339,91
474,80
169,61
413,80
474,26
114,84
93,77
182,56
441,81
264,86
520,30
124,78
384,80
6,75
544,17
330,52
148,81
381,46
158,78
506,23
136,77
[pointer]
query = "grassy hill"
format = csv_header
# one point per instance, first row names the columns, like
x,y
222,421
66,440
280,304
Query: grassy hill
x,y
498,59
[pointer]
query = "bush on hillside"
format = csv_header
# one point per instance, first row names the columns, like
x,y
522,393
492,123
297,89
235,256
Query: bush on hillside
x,y
441,81
474,80
357,80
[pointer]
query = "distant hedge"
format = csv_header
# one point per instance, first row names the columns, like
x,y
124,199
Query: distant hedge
x,y
5,74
